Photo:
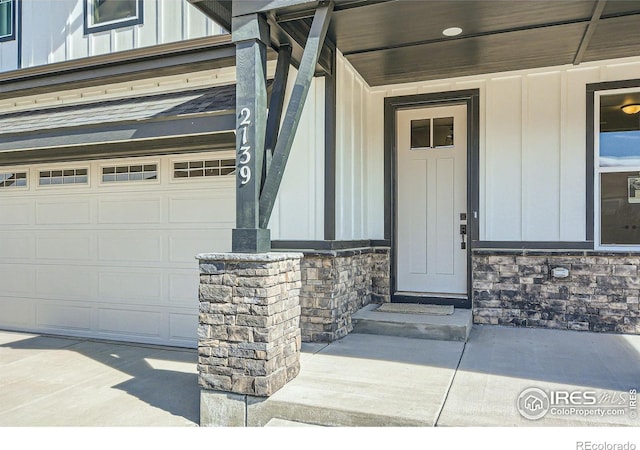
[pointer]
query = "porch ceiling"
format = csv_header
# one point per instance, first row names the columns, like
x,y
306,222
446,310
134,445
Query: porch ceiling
x,y
399,41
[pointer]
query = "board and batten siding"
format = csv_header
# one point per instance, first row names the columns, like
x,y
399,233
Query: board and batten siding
x,y
532,149
298,213
53,31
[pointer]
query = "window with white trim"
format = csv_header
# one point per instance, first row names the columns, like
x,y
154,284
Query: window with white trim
x,y
133,172
13,179
101,15
56,177
617,169
7,20
203,168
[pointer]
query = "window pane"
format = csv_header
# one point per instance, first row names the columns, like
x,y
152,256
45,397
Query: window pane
x,y
113,10
620,148
620,208
13,179
421,133
443,131
6,18
619,131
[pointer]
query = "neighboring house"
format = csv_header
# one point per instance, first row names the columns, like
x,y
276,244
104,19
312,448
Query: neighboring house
x,y
475,161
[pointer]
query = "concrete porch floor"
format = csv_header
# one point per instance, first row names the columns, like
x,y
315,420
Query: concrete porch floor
x,y
359,380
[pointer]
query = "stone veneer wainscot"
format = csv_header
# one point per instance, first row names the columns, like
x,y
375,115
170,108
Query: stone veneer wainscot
x,y
515,287
336,284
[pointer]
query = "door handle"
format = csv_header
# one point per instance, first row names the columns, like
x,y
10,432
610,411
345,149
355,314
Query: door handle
x,y
463,233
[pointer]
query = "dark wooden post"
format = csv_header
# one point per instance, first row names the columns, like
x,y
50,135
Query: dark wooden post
x,y
251,36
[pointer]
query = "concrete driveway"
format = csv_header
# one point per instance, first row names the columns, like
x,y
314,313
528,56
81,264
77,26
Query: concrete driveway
x,y
57,381
359,380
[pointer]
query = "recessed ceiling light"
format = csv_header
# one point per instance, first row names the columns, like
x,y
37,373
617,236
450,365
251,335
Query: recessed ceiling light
x,y
453,31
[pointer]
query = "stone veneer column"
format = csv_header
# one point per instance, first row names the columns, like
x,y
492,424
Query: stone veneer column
x,y
249,330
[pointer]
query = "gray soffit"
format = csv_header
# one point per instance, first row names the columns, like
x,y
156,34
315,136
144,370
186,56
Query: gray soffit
x,y
148,118
399,41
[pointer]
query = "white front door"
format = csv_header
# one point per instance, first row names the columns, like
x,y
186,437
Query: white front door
x,y
432,201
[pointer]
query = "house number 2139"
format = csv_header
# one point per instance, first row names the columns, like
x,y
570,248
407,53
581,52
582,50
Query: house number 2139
x,y
245,148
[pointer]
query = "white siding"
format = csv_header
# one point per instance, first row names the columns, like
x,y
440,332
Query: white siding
x,y
8,55
352,156
532,149
298,211
53,31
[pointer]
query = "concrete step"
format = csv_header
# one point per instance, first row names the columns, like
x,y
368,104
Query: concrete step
x,y
453,327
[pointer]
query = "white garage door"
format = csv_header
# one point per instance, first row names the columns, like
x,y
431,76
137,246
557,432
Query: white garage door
x,y
106,248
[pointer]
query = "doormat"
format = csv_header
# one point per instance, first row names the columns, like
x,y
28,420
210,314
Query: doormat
x,y
414,308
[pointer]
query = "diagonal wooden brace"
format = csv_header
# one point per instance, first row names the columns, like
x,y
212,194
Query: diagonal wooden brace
x,y
291,120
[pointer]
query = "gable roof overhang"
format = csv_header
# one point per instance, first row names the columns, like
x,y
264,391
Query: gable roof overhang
x,y
177,122
397,41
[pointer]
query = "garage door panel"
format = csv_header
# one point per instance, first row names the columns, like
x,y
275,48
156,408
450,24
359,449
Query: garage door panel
x,y
17,279
126,210
16,213
183,288
136,287
63,212
16,312
51,315
64,247
125,245
183,327
184,245
65,281
110,260
17,246
202,209
127,322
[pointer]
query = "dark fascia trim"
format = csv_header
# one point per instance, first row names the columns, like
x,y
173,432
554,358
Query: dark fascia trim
x,y
326,245
330,153
294,9
590,168
166,59
534,245
118,132
611,85
127,149
129,22
14,24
